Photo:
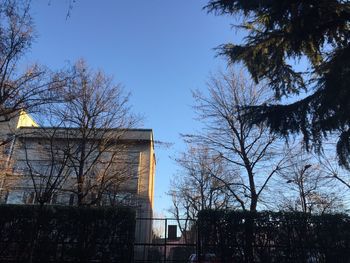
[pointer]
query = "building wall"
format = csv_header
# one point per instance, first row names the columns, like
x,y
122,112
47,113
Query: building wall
x,y
30,150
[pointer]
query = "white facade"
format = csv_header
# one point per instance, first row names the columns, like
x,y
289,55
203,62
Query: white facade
x,y
35,157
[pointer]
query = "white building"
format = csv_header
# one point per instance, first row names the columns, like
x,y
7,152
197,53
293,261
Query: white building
x,y
37,164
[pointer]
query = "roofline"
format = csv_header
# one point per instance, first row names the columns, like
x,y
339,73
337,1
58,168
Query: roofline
x,y
73,128
124,134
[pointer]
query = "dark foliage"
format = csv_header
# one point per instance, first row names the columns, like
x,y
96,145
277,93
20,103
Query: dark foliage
x,y
281,31
66,234
275,237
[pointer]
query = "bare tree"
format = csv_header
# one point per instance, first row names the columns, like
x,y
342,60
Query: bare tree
x,y
46,163
199,185
95,116
249,150
6,170
329,163
21,89
306,187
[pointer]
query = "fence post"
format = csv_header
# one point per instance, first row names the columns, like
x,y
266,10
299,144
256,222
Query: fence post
x,y
165,238
198,246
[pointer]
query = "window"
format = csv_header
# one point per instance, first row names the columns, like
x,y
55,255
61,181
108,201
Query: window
x,y
29,198
71,199
54,198
15,197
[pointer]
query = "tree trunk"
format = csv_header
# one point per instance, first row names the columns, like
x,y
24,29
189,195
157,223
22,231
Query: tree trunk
x,y
253,202
249,239
80,176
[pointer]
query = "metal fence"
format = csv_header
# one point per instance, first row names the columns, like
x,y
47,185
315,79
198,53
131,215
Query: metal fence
x,y
171,240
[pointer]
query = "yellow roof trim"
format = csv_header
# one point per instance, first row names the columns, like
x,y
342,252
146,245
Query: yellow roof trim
x,y
25,120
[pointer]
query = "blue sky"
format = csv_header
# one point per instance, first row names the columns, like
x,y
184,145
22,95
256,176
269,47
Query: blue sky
x,y
159,50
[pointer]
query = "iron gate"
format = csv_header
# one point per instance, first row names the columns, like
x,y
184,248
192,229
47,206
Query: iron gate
x,y
170,240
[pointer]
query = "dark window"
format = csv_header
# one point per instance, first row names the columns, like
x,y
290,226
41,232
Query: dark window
x,y
54,199
71,199
172,229
29,198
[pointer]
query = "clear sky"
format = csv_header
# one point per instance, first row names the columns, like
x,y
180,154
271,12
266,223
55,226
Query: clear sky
x,y
159,50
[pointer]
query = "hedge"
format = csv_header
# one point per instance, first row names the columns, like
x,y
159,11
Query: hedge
x,y
30,233
275,236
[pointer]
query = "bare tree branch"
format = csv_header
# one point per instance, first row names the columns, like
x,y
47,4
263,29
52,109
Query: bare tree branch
x,y
250,150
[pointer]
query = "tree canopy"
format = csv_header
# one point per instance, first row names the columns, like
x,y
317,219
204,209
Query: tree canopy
x,y
252,155
281,33
22,87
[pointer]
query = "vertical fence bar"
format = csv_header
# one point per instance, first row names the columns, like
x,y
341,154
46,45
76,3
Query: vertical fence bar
x,y
163,244
198,243
165,237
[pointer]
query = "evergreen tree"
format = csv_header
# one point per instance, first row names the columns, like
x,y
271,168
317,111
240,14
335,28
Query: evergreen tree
x,y
279,34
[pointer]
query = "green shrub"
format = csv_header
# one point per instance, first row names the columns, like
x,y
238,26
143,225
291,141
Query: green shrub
x,y
30,233
275,236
